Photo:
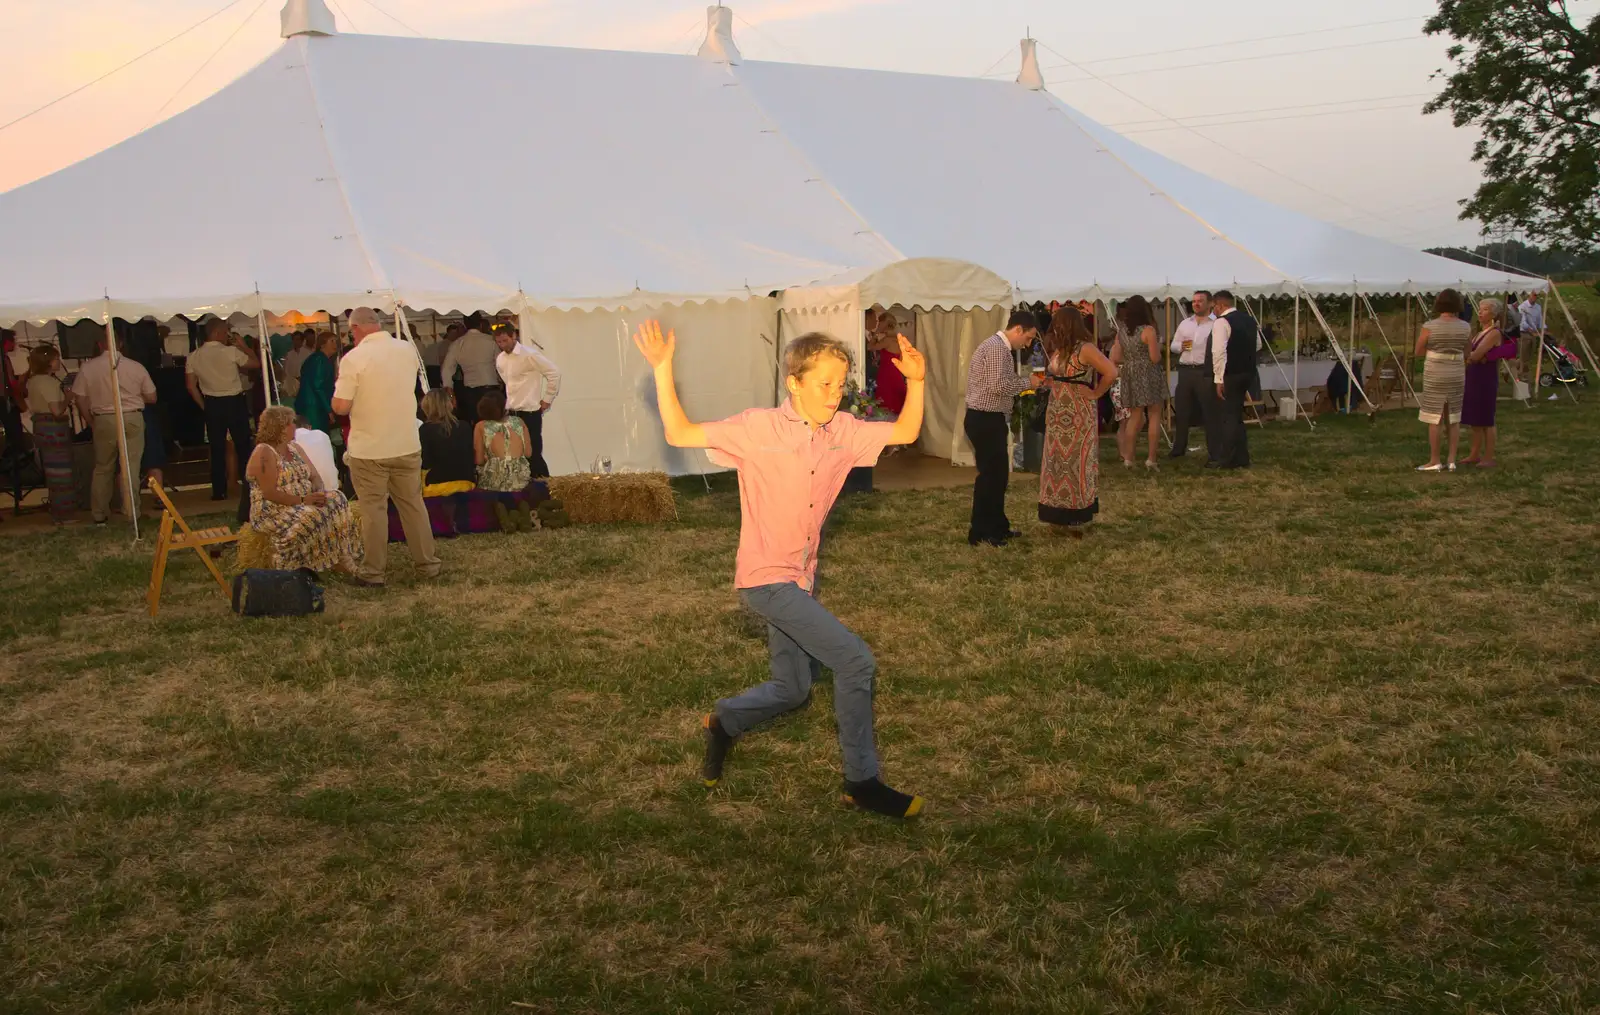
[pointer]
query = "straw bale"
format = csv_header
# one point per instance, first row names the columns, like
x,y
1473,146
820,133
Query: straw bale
x,y
622,497
254,549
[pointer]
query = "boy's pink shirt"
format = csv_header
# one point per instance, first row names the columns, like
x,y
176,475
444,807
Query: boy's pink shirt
x,y
789,477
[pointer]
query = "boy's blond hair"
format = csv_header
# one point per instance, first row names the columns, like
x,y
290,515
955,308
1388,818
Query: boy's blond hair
x,y
803,353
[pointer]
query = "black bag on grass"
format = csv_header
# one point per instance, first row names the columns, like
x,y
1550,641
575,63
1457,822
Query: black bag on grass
x,y
259,592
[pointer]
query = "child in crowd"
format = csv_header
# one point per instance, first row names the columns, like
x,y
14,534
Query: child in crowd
x,y
792,462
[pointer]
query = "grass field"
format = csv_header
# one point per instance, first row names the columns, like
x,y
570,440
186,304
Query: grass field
x,y
1324,737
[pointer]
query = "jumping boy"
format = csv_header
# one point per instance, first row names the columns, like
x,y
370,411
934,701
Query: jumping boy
x,y
792,462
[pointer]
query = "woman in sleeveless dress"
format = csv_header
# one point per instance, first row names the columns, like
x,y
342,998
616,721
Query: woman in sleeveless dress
x,y
1137,355
1078,374
310,527
1483,381
1444,342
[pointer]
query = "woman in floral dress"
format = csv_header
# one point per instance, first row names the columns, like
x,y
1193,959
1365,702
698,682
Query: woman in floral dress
x,y
1078,374
500,444
309,526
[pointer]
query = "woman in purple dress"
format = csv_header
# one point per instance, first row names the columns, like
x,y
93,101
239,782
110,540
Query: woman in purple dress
x,y
1483,382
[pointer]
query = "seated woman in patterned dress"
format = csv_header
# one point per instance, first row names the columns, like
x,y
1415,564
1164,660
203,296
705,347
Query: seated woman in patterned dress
x,y
500,445
310,527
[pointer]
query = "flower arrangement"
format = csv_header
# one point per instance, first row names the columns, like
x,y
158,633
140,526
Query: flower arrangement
x,y
1022,409
860,404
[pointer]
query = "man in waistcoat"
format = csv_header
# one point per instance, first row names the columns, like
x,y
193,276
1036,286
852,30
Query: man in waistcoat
x,y
1234,341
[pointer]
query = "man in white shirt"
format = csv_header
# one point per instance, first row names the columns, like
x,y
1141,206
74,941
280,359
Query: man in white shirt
x,y
97,399
319,448
1235,340
1532,335
376,388
215,384
532,383
1196,393
474,353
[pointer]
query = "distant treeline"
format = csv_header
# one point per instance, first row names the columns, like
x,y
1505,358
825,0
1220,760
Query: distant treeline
x,y
1525,259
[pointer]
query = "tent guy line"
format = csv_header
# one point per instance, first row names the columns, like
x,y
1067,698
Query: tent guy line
x,y
122,66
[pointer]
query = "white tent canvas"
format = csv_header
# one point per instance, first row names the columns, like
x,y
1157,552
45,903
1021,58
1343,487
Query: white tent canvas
x,y
1324,258
615,183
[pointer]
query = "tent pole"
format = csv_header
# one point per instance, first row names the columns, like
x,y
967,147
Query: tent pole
x,y
1348,404
130,500
1410,331
1573,324
1538,365
1171,418
1299,408
405,328
1405,380
1295,380
268,382
1338,351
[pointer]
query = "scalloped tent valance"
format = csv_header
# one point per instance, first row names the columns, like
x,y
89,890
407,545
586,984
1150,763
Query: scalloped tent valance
x,y
928,283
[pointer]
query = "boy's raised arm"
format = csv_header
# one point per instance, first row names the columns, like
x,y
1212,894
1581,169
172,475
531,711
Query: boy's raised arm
x,y
910,363
657,352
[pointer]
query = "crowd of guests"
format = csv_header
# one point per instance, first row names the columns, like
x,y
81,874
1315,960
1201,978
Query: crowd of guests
x,y
1216,348
350,419
478,442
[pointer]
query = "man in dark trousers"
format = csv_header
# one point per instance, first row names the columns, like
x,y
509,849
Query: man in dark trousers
x,y
217,386
1234,341
1197,392
992,384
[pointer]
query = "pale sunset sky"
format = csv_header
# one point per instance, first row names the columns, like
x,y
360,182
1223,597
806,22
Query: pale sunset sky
x,y
1313,104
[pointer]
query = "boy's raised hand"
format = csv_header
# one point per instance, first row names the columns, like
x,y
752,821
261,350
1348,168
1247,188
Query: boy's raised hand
x,y
910,361
656,350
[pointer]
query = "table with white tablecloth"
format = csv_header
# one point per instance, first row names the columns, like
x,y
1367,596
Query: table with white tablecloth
x,y
1281,376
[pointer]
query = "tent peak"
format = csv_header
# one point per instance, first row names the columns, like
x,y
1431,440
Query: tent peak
x,y
307,17
1030,76
719,46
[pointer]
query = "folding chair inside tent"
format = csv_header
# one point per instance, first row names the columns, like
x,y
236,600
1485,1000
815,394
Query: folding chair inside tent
x,y
200,541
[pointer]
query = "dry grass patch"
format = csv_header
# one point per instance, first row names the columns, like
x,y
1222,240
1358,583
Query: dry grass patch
x,y
1320,737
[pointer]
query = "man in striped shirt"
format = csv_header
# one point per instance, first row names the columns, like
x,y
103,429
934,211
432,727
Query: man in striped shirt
x,y
992,384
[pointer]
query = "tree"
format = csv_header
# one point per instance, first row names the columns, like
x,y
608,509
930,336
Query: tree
x,y
1528,76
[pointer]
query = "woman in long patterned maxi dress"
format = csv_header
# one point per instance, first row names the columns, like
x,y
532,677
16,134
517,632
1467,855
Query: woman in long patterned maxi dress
x,y
309,526
1079,373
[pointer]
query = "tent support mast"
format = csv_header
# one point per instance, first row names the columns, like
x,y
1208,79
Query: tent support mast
x,y
1404,379
1354,291
268,382
1573,324
130,499
1295,380
405,329
1338,352
1298,407
1410,331
1171,408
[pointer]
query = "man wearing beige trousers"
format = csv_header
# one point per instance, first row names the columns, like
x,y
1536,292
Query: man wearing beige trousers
x,y
376,388
97,389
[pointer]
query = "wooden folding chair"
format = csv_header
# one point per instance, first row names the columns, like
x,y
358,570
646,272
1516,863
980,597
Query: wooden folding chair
x,y
1255,407
200,541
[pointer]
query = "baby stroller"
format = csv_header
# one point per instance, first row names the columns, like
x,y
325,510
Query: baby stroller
x,y
1564,366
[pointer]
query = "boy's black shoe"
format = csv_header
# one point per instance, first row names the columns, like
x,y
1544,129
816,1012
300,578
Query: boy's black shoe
x,y
717,744
872,795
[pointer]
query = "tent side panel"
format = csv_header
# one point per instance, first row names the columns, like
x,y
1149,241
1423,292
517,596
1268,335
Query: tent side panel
x,y
607,406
